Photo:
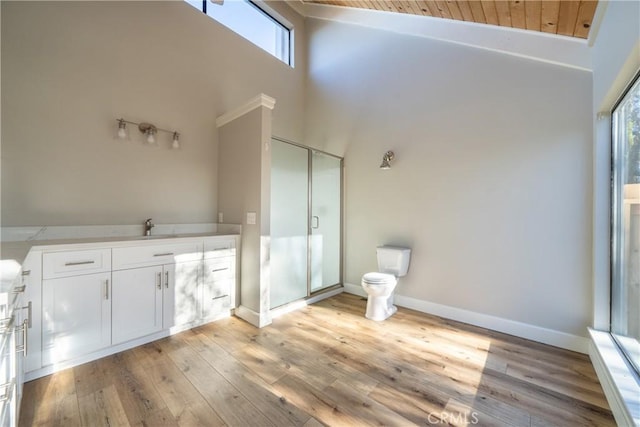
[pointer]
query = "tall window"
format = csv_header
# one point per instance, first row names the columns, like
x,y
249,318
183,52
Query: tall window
x,y
625,224
252,22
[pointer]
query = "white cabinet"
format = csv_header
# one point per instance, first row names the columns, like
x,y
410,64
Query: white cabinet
x,y
73,263
13,330
76,303
182,301
217,287
158,297
93,300
76,316
218,279
32,309
137,303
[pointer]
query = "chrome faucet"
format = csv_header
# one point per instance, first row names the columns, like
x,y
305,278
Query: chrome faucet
x,y
147,227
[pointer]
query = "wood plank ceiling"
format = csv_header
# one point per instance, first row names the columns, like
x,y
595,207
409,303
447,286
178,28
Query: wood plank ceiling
x,y
564,17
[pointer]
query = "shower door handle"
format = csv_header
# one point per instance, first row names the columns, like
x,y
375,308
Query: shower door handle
x,y
315,220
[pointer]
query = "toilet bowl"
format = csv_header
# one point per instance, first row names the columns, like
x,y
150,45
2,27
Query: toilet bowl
x,y
393,262
379,287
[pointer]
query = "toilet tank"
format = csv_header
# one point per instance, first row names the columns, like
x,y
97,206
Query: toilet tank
x,y
393,260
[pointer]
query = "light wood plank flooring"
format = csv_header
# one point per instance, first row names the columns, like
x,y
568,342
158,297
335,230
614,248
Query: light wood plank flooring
x,y
327,365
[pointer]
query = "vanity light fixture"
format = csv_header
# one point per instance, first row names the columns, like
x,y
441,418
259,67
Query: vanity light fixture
x,y
386,160
176,141
148,130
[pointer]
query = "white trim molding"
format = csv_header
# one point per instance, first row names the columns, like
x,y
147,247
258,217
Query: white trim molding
x,y
261,100
252,317
507,326
619,382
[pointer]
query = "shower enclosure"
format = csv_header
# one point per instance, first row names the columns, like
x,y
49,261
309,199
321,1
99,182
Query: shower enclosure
x,y
306,221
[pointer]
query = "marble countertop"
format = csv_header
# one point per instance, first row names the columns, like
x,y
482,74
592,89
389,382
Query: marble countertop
x,y
13,254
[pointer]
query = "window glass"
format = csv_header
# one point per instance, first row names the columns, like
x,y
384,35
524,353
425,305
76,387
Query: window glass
x,y
251,22
625,225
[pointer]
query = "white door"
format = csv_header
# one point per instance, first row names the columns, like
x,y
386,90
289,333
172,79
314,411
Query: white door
x,y
76,316
137,302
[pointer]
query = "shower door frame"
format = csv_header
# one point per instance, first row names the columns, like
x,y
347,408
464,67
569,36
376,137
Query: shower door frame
x,y
310,152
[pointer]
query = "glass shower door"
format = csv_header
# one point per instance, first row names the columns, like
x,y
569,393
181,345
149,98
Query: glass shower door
x,y
289,222
326,171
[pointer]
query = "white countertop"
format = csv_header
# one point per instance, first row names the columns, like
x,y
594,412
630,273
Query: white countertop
x,y
13,254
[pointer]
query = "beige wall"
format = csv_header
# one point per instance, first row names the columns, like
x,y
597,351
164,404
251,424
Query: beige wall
x,y
69,69
491,186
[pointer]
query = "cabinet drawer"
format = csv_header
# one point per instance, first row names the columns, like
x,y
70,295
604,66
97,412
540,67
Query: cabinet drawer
x,y
74,263
215,248
143,256
219,268
217,307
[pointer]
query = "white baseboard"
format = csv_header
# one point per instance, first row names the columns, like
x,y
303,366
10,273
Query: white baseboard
x,y
252,317
511,327
296,305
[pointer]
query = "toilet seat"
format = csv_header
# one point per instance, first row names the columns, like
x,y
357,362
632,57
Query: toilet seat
x,y
376,278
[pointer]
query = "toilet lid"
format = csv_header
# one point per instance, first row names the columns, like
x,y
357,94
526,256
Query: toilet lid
x,y
376,278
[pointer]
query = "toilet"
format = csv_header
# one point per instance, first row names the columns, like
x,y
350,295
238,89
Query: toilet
x,y
393,262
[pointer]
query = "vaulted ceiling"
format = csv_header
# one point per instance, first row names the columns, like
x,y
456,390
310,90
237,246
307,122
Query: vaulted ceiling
x,y
565,17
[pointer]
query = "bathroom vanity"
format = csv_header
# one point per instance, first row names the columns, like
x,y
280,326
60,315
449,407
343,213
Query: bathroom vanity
x,y
88,298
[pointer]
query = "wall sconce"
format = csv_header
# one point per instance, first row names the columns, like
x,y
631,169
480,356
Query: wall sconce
x,y
148,130
386,160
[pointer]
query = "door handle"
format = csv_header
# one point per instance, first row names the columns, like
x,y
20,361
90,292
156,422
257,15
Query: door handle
x,y
159,280
317,220
166,279
106,289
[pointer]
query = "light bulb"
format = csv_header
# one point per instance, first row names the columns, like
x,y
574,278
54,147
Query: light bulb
x,y
176,141
122,132
150,138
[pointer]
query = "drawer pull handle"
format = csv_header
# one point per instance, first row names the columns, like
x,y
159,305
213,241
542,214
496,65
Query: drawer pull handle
x,y
69,264
219,269
164,254
29,308
220,249
19,289
218,297
26,272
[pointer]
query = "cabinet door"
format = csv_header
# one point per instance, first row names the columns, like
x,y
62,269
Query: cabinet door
x,y
32,311
137,302
181,293
76,316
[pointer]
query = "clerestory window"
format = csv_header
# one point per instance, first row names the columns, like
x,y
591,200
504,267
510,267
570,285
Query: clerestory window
x,y
253,21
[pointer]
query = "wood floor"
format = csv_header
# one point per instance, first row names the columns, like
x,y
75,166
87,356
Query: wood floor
x,y
327,365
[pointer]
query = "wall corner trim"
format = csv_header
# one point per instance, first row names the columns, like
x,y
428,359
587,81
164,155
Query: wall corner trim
x,y
252,317
261,100
507,326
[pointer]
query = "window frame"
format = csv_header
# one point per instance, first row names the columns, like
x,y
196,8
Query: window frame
x,y
286,53
614,213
